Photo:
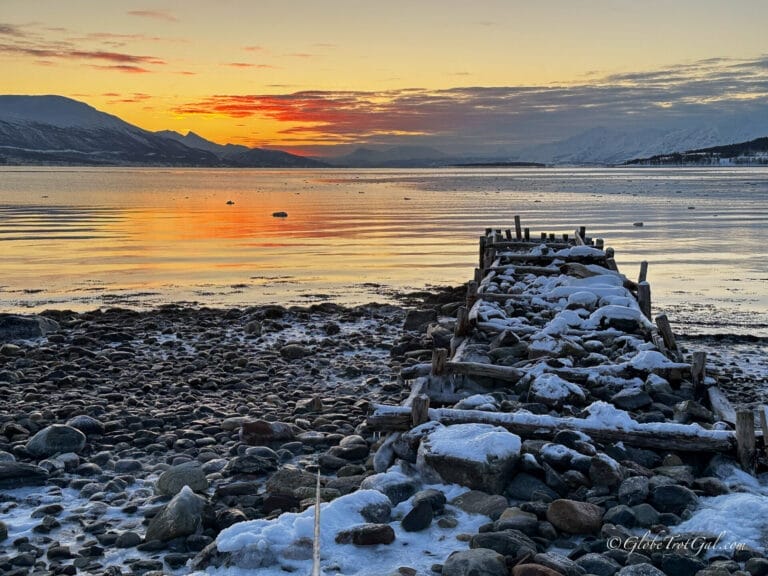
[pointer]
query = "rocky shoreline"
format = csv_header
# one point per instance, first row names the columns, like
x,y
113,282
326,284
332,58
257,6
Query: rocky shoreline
x,y
129,441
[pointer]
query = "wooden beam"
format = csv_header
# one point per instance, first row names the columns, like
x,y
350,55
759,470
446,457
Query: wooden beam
x,y
505,373
669,436
720,405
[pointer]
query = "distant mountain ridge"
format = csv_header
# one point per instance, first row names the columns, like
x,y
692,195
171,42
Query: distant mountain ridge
x,y
752,152
54,130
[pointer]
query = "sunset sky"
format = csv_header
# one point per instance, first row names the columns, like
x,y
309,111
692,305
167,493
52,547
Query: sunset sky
x,y
304,75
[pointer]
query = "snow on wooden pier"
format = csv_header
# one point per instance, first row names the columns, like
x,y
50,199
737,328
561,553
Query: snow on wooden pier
x,y
554,322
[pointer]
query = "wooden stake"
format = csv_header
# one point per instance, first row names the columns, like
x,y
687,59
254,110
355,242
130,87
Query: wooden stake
x,y
518,235
599,243
439,358
666,333
471,293
583,233
643,272
462,321
420,409
527,234
644,298
745,439
482,252
578,238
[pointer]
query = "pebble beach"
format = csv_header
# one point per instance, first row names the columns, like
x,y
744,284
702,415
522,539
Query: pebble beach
x,y
144,443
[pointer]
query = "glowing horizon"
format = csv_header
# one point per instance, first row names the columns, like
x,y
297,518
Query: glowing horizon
x,y
308,76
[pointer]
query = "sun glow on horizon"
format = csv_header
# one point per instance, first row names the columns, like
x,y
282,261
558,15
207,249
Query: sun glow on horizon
x,y
344,73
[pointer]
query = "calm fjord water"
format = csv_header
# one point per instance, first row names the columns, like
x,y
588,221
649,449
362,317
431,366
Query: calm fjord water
x,y
82,238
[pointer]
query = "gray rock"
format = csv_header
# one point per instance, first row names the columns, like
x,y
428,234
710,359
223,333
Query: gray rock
x,y
419,518
526,488
643,569
13,327
435,498
477,562
175,478
127,465
287,479
507,542
755,566
86,424
128,540
621,515
480,471
418,320
477,502
631,399
604,471
397,487
294,351
367,535
17,474
376,513
54,439
634,490
673,498
3,531
645,515
681,565
598,564
182,516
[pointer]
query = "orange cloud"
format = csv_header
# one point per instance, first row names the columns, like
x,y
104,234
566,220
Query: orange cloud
x,y
126,68
154,14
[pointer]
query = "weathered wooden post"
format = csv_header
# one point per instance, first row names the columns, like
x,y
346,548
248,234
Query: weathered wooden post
x,y
482,252
439,358
644,298
745,439
518,235
462,321
643,272
665,329
420,410
527,234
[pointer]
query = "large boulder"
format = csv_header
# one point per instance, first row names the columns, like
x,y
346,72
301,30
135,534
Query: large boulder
x,y
418,320
673,498
175,478
182,516
554,391
478,456
55,439
18,474
476,562
13,327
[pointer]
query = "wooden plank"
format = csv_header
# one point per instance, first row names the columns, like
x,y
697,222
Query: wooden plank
x,y
745,439
720,405
505,373
669,436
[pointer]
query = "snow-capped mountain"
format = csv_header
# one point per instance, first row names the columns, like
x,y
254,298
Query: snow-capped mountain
x,y
602,145
58,130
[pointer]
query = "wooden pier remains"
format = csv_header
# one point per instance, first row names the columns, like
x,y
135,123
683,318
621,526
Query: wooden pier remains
x,y
555,310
